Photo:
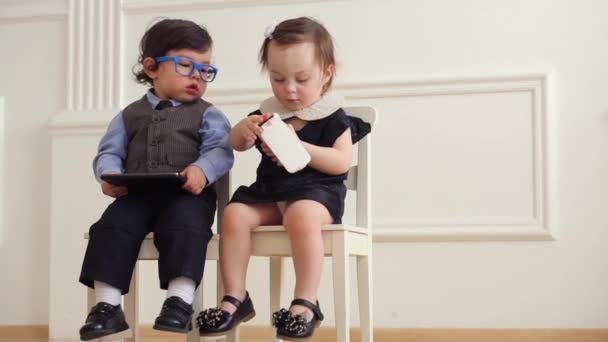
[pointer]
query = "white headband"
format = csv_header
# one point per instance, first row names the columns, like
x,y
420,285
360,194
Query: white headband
x,y
269,30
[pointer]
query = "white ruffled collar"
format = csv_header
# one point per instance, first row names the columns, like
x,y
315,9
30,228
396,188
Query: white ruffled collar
x,y
324,107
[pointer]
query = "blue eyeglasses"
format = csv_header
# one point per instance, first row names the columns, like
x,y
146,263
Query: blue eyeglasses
x,y
186,67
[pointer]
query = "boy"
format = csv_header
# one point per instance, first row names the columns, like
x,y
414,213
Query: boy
x,y
170,129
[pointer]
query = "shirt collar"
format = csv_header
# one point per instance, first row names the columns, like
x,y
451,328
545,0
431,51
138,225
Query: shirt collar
x,y
154,100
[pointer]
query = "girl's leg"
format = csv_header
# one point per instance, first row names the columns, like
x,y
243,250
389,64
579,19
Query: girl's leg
x,y
303,220
238,220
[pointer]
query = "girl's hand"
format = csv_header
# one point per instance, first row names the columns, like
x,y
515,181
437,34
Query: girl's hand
x,y
267,151
246,131
195,179
113,190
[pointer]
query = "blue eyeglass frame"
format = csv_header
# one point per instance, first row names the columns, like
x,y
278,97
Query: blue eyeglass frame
x,y
196,66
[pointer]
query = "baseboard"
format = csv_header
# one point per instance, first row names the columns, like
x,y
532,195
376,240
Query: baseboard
x,y
328,334
24,331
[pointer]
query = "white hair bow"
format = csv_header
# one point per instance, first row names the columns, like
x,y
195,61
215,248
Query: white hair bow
x,y
269,30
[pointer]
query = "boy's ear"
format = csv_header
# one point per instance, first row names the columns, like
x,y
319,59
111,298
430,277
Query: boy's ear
x,y
150,67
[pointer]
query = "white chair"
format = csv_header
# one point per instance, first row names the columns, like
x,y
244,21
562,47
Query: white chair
x,y
340,242
148,252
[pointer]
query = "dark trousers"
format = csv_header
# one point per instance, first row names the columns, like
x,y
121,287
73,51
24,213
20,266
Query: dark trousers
x,y
181,223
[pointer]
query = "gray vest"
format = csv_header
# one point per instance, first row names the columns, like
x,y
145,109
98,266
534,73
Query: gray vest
x,y
164,140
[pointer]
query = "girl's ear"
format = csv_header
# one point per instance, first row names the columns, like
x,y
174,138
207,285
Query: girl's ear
x,y
150,67
328,73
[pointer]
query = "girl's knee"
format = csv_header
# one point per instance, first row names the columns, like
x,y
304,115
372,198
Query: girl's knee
x,y
302,228
235,219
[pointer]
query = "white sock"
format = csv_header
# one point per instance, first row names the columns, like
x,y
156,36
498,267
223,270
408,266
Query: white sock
x,y
107,293
183,288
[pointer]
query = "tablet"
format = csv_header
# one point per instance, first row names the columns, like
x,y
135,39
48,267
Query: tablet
x,y
145,180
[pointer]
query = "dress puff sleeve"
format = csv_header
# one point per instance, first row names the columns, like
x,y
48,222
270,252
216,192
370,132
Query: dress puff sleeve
x,y
339,122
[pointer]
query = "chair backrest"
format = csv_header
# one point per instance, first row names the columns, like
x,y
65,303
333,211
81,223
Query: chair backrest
x,y
222,188
359,176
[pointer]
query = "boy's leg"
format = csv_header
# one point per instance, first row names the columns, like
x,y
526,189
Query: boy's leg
x,y
181,234
111,254
303,220
107,293
182,287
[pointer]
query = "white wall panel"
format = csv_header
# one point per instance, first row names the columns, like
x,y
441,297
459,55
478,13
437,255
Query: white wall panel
x,y
32,65
492,135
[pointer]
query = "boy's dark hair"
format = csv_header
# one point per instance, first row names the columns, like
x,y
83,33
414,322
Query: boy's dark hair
x,y
166,35
298,30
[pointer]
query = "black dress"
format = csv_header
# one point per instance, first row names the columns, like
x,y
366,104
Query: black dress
x,y
275,184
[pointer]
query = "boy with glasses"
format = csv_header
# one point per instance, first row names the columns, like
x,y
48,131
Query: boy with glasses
x,y
170,129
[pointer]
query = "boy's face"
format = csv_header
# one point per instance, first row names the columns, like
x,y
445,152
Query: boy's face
x,y
295,75
168,84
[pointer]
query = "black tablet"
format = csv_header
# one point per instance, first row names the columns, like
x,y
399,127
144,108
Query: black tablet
x,y
146,180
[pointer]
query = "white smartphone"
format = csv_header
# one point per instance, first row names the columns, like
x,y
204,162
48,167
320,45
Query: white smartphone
x,y
285,144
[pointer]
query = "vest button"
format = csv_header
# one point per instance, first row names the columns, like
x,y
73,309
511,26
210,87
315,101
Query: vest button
x,y
153,164
154,142
155,118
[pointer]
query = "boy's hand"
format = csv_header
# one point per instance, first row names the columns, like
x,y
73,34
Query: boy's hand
x,y
195,179
250,127
113,190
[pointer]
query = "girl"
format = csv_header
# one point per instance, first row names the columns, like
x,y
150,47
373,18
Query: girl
x,y
299,56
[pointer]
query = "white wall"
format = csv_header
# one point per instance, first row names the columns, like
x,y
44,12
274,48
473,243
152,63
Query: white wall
x,y
32,69
489,155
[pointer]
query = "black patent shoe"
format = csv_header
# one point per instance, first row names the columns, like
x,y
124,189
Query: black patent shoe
x,y
295,327
175,316
217,322
104,319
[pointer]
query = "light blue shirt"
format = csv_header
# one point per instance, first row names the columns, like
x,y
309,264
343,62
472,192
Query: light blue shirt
x,y
216,156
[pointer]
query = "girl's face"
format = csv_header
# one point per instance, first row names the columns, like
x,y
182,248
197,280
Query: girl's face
x,y
295,75
168,84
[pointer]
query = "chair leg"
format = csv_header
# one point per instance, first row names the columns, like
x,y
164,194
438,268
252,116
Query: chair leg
x,y
220,293
131,306
364,286
341,286
197,304
276,279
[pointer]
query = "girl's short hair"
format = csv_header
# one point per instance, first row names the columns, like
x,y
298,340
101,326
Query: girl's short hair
x,y
167,35
298,30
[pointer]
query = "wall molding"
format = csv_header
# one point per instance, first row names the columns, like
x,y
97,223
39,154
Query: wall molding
x,y
94,51
28,13
538,84
540,227
161,7
57,10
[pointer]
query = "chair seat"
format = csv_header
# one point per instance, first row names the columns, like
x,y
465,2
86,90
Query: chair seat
x,y
148,251
272,240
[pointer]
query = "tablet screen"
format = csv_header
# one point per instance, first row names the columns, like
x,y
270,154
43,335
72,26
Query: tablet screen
x,y
146,180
